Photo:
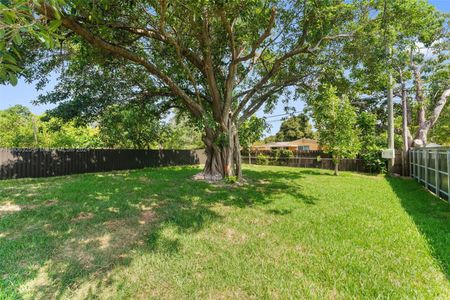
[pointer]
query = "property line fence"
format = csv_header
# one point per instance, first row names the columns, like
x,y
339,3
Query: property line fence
x,y
431,166
356,165
21,163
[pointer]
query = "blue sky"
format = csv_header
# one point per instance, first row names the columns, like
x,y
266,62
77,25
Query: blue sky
x,y
23,93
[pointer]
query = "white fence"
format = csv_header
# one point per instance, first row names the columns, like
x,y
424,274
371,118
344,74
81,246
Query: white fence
x,y
431,166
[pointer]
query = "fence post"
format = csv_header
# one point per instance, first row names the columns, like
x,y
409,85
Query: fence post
x,y
416,171
448,175
436,171
411,163
425,153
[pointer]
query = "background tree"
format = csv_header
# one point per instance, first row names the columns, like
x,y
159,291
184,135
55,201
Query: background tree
x,y
431,79
335,120
404,27
131,126
440,133
251,131
180,49
295,128
19,128
372,142
57,133
182,134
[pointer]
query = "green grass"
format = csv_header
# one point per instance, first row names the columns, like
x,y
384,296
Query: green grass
x,y
287,233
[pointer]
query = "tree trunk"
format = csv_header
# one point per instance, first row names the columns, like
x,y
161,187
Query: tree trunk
x,y
223,156
427,125
404,129
336,161
336,169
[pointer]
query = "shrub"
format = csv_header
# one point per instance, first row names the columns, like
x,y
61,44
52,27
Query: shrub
x,y
372,159
282,156
231,179
262,159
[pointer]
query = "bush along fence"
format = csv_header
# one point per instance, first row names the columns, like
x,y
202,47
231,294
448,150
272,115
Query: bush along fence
x,y
431,166
315,159
21,163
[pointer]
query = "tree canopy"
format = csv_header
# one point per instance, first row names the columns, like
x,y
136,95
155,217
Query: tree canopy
x,y
294,128
219,60
19,128
335,120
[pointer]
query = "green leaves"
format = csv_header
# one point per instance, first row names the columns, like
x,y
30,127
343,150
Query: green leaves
x,y
335,121
19,23
251,131
294,128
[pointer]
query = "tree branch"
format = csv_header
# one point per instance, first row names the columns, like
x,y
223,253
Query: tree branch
x,y
205,42
438,108
98,42
260,40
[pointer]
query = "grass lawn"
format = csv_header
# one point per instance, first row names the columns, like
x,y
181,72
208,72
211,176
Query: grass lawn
x,y
288,233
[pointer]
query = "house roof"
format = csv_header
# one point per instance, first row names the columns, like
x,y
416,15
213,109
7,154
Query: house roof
x,y
287,144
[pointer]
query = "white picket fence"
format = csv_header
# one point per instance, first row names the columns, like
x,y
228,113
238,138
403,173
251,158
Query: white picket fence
x,y
431,166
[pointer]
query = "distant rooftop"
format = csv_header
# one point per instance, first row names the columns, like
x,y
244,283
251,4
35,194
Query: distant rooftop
x,y
287,144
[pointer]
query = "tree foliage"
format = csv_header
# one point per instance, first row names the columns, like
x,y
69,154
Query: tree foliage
x,y
409,40
295,128
251,131
19,128
182,134
335,120
372,142
219,60
131,127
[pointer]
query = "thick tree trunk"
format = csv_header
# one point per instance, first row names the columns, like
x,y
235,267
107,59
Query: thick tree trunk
x,y
223,156
427,125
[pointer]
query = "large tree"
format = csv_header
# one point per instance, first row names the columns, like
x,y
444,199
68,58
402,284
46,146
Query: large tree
x,y
335,120
131,127
407,40
295,128
19,128
219,60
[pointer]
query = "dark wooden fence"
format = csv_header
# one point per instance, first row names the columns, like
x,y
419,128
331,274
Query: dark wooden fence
x,y
20,163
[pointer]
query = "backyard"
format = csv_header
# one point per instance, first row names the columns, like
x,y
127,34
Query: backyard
x,y
285,233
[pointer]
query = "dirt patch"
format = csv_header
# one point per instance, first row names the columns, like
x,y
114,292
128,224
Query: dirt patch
x,y
50,202
262,181
147,217
144,179
45,204
208,178
83,216
235,237
8,208
114,224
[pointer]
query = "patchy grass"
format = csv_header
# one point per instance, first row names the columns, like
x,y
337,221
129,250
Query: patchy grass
x,y
287,233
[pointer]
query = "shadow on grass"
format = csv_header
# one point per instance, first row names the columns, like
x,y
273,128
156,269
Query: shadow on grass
x,y
431,216
58,233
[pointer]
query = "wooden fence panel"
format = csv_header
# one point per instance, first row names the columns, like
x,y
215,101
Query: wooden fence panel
x,y
22,163
309,159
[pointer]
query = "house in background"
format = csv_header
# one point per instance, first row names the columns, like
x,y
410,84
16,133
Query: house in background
x,y
297,145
